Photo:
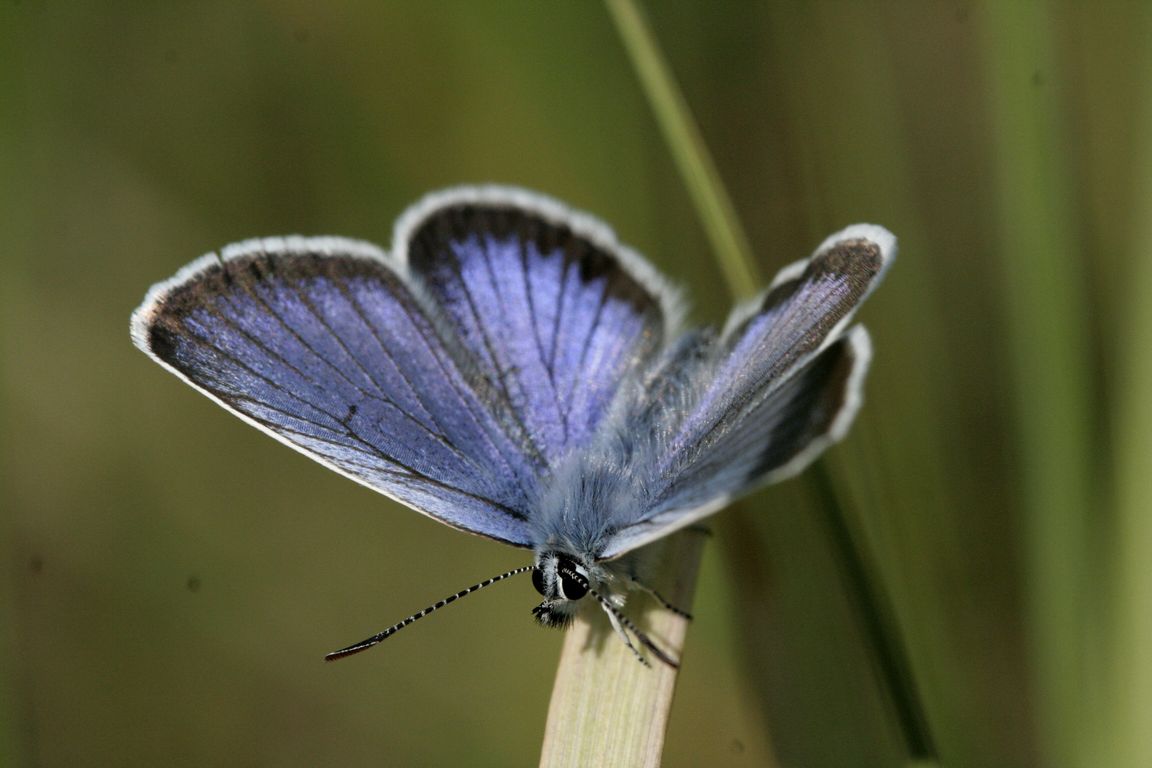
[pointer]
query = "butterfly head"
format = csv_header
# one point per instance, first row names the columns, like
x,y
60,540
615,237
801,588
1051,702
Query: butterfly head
x,y
563,581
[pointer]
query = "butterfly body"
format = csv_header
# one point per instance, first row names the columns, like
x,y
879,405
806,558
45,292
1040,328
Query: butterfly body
x,y
512,370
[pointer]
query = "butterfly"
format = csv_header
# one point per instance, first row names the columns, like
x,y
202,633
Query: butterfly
x,y
511,370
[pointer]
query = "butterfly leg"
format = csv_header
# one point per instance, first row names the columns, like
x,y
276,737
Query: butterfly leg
x,y
616,625
659,598
635,582
623,626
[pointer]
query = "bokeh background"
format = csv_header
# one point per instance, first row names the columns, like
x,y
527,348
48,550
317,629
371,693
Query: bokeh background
x,y
172,577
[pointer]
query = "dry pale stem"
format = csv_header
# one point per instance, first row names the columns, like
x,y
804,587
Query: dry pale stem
x,y
607,708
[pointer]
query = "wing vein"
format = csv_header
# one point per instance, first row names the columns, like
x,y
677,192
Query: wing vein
x,y
306,300
362,316
529,442
536,337
478,421
339,419
603,299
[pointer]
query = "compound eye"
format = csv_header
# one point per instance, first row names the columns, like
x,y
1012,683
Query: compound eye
x,y
538,581
572,586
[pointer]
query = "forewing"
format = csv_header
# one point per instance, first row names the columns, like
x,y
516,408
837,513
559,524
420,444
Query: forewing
x,y
784,384
321,343
554,309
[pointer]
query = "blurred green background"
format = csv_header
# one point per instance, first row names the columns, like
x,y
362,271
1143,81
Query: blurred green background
x,y
173,577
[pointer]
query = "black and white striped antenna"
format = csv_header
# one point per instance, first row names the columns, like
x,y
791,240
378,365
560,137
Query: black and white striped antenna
x,y
364,645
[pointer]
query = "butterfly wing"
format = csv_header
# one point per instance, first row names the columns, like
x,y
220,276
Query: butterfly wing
x,y
781,384
450,375
321,343
556,312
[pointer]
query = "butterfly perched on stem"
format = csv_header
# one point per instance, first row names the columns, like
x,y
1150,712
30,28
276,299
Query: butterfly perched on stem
x,y
510,369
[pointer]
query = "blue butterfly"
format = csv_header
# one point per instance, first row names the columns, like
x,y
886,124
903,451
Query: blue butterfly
x,y
510,369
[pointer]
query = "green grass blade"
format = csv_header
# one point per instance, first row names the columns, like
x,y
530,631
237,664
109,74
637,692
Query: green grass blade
x,y
1048,346
874,614
1124,733
1130,675
682,136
